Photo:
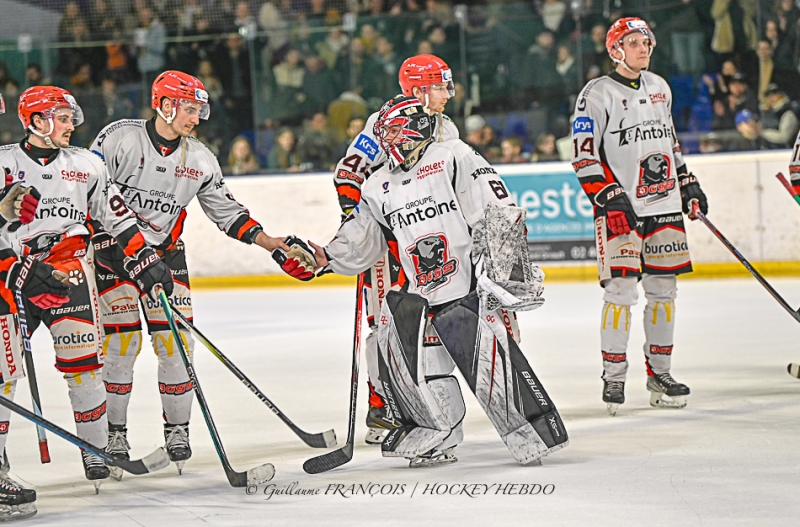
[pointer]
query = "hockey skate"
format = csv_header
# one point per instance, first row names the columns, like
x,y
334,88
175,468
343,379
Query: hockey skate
x,y
118,446
665,392
95,468
16,502
379,422
614,395
433,458
177,444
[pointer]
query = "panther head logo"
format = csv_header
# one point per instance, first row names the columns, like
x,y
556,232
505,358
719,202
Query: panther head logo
x,y
432,263
655,181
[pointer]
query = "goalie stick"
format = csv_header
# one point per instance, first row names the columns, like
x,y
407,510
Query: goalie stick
x,y
254,476
339,457
788,186
325,439
156,460
696,212
44,451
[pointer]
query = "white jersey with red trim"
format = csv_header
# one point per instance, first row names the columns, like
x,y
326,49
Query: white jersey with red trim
x,y
73,186
625,134
158,188
364,155
428,212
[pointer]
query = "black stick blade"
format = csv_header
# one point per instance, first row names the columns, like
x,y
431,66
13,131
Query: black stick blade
x,y
329,461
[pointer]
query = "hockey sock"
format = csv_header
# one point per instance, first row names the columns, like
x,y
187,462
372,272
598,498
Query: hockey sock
x,y
371,355
6,390
120,350
88,398
659,321
615,326
173,381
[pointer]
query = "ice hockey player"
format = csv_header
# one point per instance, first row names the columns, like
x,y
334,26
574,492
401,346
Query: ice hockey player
x,y
17,207
74,185
629,163
429,79
159,168
429,200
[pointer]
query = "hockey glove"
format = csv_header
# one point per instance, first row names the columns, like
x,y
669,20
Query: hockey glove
x,y
299,261
147,270
37,282
690,190
18,205
620,217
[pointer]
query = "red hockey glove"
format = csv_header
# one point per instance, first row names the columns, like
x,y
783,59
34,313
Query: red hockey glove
x,y
299,261
620,217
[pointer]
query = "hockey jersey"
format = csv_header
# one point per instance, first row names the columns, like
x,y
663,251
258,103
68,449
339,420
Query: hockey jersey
x,y
364,155
74,186
625,134
159,187
427,213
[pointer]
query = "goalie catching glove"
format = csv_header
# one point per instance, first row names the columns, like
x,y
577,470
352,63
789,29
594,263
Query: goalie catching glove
x,y
37,282
690,190
298,261
18,205
147,270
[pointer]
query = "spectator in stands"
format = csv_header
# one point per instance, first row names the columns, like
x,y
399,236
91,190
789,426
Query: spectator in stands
x,y
735,32
271,21
542,75
241,159
568,71
335,45
206,75
244,19
5,77
787,14
80,84
318,85
766,67
784,72
710,143
739,98
441,47
556,17
750,133
597,55
381,71
425,48
188,13
354,128
347,106
687,37
283,155
35,77
232,61
511,148
150,45
71,58
72,15
545,148
718,84
475,137
222,13
105,106
102,22
316,145
778,122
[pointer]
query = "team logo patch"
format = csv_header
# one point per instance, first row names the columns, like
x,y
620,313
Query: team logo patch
x,y
91,415
660,350
582,125
367,145
175,389
655,181
614,357
119,389
432,263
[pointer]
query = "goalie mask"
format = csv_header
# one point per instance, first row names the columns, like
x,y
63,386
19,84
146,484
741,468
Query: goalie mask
x,y
403,129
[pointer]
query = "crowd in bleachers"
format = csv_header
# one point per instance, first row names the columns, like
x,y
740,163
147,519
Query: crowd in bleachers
x,y
292,81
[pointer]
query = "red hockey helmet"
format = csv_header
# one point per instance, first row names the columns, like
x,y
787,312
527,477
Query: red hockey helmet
x,y
626,26
401,125
47,101
423,71
179,87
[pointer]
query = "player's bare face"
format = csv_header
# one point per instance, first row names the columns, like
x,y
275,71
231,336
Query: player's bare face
x,y
637,51
186,118
62,127
438,95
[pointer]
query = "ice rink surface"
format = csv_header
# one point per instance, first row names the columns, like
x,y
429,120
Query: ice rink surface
x,y
731,457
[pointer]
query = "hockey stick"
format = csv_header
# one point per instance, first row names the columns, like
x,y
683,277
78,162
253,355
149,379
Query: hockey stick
x,y
696,212
337,458
156,460
324,440
254,476
44,451
788,186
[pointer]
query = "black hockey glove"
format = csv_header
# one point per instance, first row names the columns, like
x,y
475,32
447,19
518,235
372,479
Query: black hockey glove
x,y
690,190
147,270
620,217
299,261
36,281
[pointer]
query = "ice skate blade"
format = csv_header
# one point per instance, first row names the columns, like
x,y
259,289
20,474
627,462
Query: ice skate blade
x,y
435,462
375,436
179,466
17,512
612,408
97,483
116,473
662,400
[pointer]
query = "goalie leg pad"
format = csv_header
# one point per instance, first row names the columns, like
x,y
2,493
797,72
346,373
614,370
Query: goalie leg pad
x,y
615,325
6,390
421,395
501,379
659,321
88,398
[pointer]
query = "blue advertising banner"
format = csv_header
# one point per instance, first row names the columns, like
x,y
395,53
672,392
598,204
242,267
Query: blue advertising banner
x,y
560,218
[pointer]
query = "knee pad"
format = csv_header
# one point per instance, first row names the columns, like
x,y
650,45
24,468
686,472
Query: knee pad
x,y
166,349
660,288
621,291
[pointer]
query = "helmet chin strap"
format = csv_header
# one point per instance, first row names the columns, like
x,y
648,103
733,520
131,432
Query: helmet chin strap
x,y
625,64
167,119
45,137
